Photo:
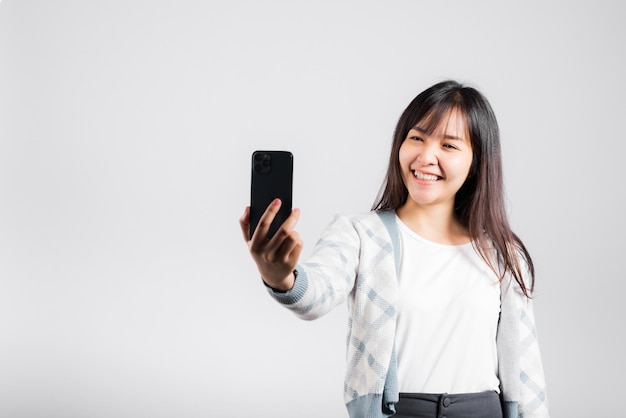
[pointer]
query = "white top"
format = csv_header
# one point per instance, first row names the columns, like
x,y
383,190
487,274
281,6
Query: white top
x,y
448,314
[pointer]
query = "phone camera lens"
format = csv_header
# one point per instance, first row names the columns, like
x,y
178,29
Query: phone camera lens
x,y
262,163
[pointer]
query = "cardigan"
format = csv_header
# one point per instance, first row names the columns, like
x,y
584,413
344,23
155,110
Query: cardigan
x,y
356,261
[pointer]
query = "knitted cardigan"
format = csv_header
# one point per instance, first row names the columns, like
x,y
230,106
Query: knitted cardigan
x,y
357,261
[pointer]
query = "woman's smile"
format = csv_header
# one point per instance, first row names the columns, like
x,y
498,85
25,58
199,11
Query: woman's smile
x,y
426,177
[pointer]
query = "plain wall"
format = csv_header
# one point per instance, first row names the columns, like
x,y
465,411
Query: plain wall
x,y
126,129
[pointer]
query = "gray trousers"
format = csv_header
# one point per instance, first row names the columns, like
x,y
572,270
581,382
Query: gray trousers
x,y
465,405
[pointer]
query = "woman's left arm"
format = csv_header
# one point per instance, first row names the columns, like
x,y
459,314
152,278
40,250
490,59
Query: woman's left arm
x,y
533,397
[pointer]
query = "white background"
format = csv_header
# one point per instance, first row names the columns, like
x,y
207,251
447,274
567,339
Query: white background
x,y
126,130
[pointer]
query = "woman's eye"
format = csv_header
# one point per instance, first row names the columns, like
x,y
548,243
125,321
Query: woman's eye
x,y
449,146
415,138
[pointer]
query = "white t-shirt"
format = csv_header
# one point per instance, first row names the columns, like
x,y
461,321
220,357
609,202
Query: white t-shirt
x,y
448,313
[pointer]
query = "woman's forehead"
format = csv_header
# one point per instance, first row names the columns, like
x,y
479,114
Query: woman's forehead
x,y
447,122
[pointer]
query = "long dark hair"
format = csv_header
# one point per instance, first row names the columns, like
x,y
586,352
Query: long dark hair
x,y
479,203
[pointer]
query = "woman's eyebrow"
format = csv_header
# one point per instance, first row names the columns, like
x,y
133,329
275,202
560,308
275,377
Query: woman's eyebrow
x,y
446,136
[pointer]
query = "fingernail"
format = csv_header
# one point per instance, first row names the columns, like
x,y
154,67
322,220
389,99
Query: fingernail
x,y
276,202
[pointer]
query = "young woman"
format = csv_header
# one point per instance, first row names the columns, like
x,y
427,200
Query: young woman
x,y
438,287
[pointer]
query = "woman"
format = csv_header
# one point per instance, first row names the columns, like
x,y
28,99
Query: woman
x,y
437,285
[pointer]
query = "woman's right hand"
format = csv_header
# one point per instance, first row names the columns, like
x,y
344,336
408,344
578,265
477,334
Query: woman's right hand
x,y
277,257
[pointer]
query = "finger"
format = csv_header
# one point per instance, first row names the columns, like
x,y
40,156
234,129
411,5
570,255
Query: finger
x,y
284,231
244,222
289,251
260,233
294,255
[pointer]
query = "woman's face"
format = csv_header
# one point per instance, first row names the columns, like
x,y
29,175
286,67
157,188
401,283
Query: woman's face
x,y
435,166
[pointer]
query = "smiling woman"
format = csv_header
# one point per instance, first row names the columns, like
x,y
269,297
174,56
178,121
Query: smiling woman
x,y
437,285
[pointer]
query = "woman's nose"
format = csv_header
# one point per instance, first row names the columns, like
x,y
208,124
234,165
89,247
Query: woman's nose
x,y
428,155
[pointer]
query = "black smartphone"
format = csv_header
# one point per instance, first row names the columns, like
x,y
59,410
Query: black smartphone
x,y
272,177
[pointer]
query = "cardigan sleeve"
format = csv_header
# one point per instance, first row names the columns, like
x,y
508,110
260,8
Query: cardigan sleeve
x,y
533,400
327,277
522,382
533,397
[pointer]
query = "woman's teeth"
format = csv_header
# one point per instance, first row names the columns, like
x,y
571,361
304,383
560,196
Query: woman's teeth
x,y
425,177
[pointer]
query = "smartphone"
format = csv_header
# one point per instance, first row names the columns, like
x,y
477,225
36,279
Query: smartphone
x,y
272,177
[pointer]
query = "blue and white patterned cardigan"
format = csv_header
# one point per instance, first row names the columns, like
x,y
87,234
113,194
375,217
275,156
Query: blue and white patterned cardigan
x,y
356,261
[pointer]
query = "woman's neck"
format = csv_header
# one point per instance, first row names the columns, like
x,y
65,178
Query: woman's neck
x,y
435,223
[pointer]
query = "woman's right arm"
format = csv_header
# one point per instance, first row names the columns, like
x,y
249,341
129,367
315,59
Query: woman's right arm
x,y
319,284
328,276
